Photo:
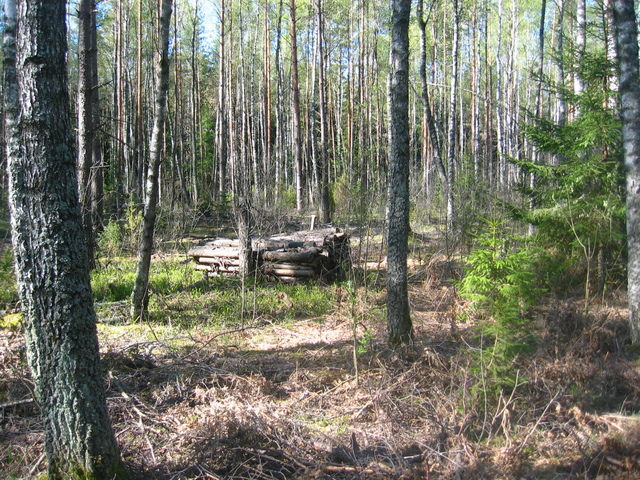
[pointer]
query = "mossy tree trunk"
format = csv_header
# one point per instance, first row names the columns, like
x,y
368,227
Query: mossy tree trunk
x,y
50,248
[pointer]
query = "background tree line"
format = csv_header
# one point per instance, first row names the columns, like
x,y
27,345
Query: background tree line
x,y
294,96
512,107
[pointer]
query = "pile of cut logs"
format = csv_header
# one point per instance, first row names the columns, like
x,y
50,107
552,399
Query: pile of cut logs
x,y
311,254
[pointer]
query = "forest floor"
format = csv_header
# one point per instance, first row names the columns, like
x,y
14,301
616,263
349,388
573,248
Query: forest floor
x,y
323,397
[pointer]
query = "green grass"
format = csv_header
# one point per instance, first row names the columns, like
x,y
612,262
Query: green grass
x,y
182,298
227,305
114,282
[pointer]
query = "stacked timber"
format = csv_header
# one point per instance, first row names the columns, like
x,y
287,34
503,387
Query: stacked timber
x,y
218,257
312,254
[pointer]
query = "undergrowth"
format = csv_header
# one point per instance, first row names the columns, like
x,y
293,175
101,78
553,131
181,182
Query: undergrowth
x,y
113,282
180,295
500,284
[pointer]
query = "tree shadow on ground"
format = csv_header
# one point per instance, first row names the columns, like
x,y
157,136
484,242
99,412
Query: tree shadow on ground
x,y
300,411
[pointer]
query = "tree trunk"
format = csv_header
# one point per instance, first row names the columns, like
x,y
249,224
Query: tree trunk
x,y
140,294
86,128
323,158
295,99
629,87
281,127
476,143
560,116
451,158
538,106
119,139
363,106
222,134
561,103
139,146
398,315
243,221
499,102
610,45
194,121
97,175
581,41
268,121
50,248
432,125
10,83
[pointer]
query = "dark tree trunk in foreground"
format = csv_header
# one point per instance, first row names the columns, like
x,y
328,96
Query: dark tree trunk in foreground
x,y
50,250
140,294
627,41
398,315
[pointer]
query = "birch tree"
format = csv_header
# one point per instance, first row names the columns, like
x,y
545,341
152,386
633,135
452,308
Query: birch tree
x,y
627,42
140,294
399,325
451,129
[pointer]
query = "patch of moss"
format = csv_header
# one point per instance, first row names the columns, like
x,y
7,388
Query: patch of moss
x,y
12,321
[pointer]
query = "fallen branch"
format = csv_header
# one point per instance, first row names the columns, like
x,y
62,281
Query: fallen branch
x,y
36,465
226,332
535,426
272,456
16,403
368,470
403,378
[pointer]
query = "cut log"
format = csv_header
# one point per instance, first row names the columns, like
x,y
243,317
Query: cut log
x,y
228,269
217,268
288,270
302,239
219,260
293,273
288,266
269,244
221,274
317,236
213,251
225,242
288,279
309,256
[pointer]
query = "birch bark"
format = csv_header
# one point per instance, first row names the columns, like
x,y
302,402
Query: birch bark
x,y
627,46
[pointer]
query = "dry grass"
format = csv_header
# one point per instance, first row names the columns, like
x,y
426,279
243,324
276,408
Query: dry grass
x,y
294,401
